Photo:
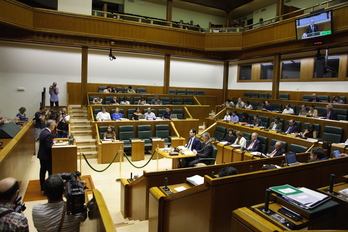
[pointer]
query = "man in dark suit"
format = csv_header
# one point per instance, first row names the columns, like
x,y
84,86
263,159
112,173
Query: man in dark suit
x,y
193,143
45,151
329,113
254,144
312,27
205,152
276,150
291,127
314,98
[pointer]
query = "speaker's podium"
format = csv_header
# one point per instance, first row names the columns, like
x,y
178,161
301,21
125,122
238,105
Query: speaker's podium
x,y
64,156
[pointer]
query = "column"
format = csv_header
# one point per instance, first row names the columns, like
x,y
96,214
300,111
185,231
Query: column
x,y
84,73
166,80
169,10
225,81
276,76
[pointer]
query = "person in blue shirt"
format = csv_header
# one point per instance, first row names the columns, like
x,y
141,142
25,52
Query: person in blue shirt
x,y
21,116
117,115
166,114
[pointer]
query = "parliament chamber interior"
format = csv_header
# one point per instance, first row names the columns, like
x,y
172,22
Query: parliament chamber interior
x,y
141,80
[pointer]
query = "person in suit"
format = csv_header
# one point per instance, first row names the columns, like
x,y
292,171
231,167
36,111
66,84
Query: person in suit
x,y
205,152
311,27
276,125
291,127
45,151
254,144
193,143
276,150
329,113
314,98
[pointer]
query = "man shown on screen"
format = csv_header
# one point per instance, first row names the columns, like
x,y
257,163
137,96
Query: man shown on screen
x,y
312,27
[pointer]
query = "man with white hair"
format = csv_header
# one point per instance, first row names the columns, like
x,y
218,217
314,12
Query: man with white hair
x,y
205,152
276,150
329,113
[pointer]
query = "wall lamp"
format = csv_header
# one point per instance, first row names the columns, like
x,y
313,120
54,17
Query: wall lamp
x,y
111,57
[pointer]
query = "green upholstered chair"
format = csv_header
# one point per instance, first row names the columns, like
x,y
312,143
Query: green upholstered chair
x,y
200,92
165,100
264,143
220,133
190,92
254,95
333,134
162,131
210,160
284,144
172,91
145,133
125,133
297,148
176,101
181,92
246,94
188,101
264,95
141,90
284,96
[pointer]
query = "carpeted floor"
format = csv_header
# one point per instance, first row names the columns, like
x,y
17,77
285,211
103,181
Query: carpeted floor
x,y
33,192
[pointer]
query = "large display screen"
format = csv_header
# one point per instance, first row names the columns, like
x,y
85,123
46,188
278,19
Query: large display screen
x,y
314,25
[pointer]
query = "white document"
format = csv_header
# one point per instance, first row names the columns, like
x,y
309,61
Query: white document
x,y
181,147
224,142
196,179
181,188
235,145
188,152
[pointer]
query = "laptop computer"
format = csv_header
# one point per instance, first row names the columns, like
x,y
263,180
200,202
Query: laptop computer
x,y
336,153
290,159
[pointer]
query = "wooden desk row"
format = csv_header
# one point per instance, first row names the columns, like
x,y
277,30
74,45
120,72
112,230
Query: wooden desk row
x,y
302,119
17,153
135,194
207,208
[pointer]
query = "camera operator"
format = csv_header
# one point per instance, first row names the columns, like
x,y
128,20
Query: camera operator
x,y
11,219
63,122
54,91
52,216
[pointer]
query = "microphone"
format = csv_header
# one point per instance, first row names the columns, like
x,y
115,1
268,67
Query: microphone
x,y
131,176
251,168
267,195
166,184
212,174
332,182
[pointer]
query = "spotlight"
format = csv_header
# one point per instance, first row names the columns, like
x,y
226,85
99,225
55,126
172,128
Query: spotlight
x,y
111,57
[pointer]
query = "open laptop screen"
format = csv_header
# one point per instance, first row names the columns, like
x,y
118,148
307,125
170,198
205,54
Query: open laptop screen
x,y
290,158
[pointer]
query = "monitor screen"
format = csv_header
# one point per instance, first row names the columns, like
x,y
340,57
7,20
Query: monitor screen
x,y
290,158
314,25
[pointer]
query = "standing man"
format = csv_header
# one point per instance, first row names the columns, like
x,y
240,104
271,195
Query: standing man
x,y
40,122
52,216
45,151
205,152
63,121
54,91
10,220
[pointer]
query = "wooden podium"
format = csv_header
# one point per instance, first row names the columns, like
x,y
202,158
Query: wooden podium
x,y
138,149
157,143
177,141
64,157
107,150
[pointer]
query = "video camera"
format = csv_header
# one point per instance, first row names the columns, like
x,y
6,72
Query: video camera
x,y
19,205
75,194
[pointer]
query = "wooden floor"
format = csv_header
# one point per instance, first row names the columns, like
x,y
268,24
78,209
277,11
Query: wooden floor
x,y
33,192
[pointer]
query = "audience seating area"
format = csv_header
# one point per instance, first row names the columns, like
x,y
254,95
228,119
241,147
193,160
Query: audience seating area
x,y
143,91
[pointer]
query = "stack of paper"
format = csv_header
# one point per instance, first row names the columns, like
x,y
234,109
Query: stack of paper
x,y
188,152
196,179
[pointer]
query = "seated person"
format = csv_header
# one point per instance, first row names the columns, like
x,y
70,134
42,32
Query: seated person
x,y
337,100
312,112
156,101
97,100
114,101
254,144
245,118
248,105
110,133
288,110
117,115
149,115
113,90
317,154
103,115
291,127
193,143
329,113
230,137
227,171
136,114
228,102
130,89
257,121
47,217
124,101
267,106
310,132
107,90
234,117
276,150
11,220
227,116
142,101
303,110
240,140
240,103
205,152
166,114
21,116
276,125
314,98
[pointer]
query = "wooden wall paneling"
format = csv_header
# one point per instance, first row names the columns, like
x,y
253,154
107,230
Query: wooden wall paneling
x,y
307,69
223,41
16,13
255,72
340,18
74,93
342,69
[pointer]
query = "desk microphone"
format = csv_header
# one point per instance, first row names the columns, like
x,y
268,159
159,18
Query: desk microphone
x,y
332,182
282,165
131,176
166,184
251,168
212,174
267,195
